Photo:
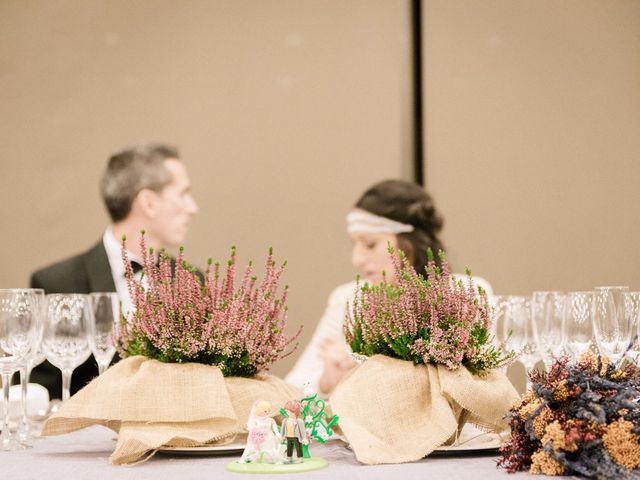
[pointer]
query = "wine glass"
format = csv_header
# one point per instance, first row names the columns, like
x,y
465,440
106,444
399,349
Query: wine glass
x,y
617,294
632,315
612,330
500,317
105,309
500,327
523,332
577,323
18,321
65,341
546,309
34,358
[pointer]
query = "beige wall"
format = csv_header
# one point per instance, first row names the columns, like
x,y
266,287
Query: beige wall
x,y
533,139
284,110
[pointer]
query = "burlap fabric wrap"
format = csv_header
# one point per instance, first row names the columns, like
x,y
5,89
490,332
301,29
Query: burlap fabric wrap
x,y
153,404
392,411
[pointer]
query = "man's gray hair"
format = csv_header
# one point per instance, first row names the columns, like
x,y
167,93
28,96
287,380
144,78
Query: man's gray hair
x,y
132,170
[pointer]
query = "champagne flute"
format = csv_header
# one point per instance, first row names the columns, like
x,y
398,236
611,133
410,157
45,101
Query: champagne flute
x,y
500,319
523,333
65,340
612,330
617,294
632,315
18,322
577,323
35,357
102,328
546,309
500,327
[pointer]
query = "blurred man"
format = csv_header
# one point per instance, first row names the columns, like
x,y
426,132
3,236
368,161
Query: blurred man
x,y
144,188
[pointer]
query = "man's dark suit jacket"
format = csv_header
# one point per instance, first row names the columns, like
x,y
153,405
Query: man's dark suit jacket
x,y
84,273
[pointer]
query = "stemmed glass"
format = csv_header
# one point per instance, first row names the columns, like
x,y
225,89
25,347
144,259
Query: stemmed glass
x,y
617,294
577,323
612,330
546,310
105,309
500,322
34,358
632,315
65,340
500,305
523,332
18,322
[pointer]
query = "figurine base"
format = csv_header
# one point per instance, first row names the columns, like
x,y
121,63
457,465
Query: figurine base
x,y
307,465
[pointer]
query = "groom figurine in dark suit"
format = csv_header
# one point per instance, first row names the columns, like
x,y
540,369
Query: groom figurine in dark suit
x,y
147,188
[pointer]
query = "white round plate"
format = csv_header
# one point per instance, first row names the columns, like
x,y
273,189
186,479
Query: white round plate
x,y
474,440
228,449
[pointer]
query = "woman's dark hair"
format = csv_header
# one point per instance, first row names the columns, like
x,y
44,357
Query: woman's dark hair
x,y
408,203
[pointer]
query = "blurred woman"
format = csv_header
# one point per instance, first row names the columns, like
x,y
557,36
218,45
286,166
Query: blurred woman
x,y
393,212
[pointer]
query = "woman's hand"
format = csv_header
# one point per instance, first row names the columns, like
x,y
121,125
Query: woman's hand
x,y
337,363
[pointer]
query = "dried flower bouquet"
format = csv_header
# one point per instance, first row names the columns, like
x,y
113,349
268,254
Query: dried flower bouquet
x,y
579,419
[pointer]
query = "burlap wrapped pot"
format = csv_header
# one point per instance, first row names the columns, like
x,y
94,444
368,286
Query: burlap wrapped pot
x,y
153,404
392,411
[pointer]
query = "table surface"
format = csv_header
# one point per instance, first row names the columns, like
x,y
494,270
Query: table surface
x,y
85,455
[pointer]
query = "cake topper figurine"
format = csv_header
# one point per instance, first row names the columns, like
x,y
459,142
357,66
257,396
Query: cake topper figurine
x,y
307,389
293,430
271,449
263,439
319,425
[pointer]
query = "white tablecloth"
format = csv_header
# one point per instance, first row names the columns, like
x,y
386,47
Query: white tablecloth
x,y
85,455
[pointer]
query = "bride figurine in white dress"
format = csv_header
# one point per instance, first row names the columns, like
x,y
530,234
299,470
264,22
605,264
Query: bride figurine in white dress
x,y
263,441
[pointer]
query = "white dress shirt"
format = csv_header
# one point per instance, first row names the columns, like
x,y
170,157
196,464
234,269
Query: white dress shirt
x,y
114,254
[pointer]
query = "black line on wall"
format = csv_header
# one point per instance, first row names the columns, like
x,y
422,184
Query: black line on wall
x,y
418,141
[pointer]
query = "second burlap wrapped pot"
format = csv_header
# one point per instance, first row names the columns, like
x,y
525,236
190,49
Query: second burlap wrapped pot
x,y
392,411
153,404
431,364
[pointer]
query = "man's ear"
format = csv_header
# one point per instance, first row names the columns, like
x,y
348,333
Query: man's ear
x,y
146,201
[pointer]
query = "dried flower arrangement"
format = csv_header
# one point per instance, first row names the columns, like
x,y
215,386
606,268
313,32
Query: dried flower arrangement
x,y
579,419
180,318
425,319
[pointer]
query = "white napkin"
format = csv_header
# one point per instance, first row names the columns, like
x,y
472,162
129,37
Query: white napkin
x,y
37,400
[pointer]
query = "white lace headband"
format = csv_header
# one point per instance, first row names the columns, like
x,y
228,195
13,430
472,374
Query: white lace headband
x,y
361,221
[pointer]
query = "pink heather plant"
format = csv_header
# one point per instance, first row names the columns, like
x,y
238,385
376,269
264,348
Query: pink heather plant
x,y
180,318
425,320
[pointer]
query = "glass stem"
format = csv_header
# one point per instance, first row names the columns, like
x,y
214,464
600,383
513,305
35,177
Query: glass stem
x,y
6,383
102,367
66,384
24,382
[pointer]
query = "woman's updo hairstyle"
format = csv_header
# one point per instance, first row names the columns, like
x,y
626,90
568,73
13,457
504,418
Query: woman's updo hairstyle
x,y
407,202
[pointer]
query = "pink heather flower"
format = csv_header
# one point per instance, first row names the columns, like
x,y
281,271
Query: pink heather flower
x,y
179,318
426,320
